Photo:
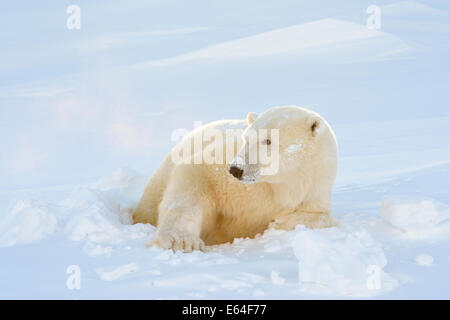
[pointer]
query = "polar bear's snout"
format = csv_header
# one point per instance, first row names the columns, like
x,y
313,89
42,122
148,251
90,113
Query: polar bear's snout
x,y
237,167
236,172
246,173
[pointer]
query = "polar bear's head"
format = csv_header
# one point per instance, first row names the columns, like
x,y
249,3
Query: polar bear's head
x,y
284,142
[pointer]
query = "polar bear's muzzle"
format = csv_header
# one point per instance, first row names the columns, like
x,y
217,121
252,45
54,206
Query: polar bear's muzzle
x,y
237,167
244,173
236,172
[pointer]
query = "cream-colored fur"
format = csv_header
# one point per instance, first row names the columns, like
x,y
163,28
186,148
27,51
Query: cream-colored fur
x,y
197,204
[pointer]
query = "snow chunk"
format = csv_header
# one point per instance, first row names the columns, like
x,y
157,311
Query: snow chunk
x,y
118,272
92,249
293,148
424,260
92,225
334,262
276,279
415,218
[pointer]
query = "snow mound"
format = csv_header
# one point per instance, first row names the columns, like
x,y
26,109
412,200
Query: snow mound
x,y
28,221
338,263
99,215
416,219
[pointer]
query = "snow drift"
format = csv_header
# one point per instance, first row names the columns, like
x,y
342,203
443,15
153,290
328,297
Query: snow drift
x,y
416,218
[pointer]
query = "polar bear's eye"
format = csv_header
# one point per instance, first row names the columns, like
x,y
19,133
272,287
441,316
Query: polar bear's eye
x,y
267,142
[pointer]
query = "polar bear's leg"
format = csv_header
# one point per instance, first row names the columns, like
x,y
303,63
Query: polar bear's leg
x,y
179,229
183,212
310,220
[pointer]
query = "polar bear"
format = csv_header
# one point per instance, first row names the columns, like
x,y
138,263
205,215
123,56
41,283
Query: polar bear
x,y
194,203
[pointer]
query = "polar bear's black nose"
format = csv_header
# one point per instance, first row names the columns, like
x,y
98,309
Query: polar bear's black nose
x,y
236,172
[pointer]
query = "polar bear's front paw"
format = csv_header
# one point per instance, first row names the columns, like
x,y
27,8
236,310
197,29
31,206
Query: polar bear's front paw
x,y
178,242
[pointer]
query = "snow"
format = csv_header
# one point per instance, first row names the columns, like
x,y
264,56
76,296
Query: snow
x,y
86,119
293,148
416,218
334,262
276,279
424,260
302,39
340,262
117,272
27,222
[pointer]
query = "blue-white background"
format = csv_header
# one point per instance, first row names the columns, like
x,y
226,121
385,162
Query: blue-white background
x,y
77,105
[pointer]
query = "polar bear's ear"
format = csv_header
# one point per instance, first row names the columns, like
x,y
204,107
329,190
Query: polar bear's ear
x,y
251,117
315,125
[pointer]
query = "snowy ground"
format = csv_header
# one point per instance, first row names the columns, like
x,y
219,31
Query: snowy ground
x,y
86,116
